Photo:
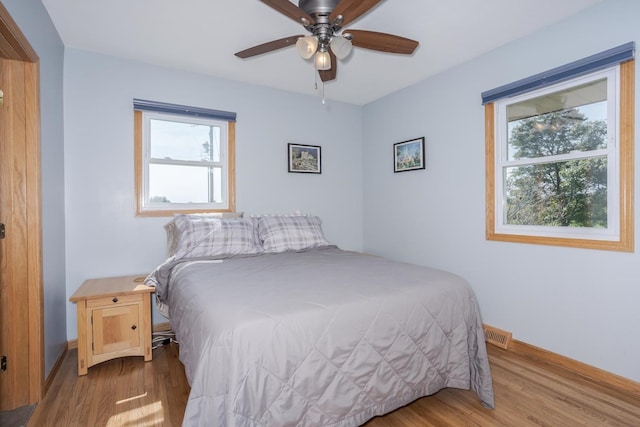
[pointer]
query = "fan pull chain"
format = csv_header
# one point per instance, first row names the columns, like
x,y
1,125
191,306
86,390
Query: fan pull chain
x,y
315,84
315,79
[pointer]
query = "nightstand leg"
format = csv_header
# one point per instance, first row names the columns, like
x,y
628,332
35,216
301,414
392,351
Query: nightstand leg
x,y
146,326
82,338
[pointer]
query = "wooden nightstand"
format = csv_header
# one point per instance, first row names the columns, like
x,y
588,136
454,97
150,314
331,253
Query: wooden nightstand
x,y
114,320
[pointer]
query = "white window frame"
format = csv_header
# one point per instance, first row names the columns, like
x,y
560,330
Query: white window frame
x,y
143,160
620,233
612,232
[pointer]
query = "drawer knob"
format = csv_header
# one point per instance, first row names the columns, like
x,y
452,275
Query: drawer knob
x,y
114,299
134,327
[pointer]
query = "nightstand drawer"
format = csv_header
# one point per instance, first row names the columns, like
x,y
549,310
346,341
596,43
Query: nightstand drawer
x,y
114,300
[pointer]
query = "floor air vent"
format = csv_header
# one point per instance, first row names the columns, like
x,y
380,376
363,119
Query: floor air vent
x,y
496,336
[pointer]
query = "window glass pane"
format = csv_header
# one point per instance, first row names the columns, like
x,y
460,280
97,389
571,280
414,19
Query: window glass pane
x,y
572,119
570,194
184,141
217,185
184,184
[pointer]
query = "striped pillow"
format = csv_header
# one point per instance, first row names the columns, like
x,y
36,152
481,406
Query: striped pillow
x,y
172,231
290,233
201,236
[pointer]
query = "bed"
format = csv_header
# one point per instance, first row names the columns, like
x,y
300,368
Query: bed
x,y
277,327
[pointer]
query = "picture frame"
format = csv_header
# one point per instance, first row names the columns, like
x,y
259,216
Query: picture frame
x,y
409,155
304,158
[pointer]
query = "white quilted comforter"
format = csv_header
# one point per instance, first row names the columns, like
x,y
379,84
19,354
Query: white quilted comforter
x,y
319,338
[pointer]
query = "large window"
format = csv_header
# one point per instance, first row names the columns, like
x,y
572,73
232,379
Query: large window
x,y
184,159
560,161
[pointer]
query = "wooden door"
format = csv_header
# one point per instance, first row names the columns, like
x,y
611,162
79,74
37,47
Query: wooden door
x,y
21,337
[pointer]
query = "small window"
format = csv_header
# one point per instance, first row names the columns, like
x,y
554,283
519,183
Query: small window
x,y
559,162
184,163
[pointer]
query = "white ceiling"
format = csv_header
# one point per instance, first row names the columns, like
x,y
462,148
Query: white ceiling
x,y
203,35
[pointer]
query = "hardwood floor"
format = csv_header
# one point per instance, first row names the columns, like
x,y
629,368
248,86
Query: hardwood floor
x,y
121,392
130,392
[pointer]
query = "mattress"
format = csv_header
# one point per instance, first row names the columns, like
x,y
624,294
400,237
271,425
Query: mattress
x,y
322,337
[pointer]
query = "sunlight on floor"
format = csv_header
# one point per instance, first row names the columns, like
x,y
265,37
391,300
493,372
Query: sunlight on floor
x,y
131,398
141,416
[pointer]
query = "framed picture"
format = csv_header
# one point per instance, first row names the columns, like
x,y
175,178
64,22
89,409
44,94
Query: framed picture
x,y
304,158
408,155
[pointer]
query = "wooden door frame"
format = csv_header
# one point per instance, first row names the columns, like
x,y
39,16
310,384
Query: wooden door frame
x,y
15,47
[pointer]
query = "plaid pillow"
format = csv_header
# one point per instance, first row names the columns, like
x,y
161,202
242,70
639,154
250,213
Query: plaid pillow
x,y
201,236
290,233
172,230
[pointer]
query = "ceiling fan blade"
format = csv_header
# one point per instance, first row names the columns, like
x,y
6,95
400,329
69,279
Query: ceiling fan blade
x,y
382,42
351,10
330,74
268,47
291,10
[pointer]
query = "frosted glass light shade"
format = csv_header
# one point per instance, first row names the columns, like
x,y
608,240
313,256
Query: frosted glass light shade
x,y
323,61
307,46
340,46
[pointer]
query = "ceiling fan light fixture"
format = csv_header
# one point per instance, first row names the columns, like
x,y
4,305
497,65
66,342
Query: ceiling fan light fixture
x,y
329,42
340,46
307,46
323,61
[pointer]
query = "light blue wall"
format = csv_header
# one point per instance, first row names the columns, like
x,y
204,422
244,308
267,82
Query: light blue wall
x,y
104,238
33,20
579,303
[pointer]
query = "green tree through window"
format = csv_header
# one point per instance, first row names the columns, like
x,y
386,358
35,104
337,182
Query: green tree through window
x,y
569,193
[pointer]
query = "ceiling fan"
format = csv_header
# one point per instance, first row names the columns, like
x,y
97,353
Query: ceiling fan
x,y
325,20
